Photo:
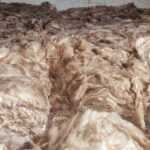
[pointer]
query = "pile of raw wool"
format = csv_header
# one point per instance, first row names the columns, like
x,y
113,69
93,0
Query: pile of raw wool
x,y
66,93
85,88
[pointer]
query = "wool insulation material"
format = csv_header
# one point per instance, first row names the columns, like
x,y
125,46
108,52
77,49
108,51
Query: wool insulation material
x,y
74,80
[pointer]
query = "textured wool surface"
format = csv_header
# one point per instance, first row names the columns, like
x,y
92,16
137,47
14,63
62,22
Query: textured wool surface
x,y
24,91
66,93
85,88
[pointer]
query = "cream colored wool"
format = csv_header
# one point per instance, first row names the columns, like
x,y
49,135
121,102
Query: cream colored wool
x,y
104,131
73,95
143,48
24,91
85,76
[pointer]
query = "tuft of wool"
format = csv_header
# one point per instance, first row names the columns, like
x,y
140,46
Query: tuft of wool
x,y
24,92
104,131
